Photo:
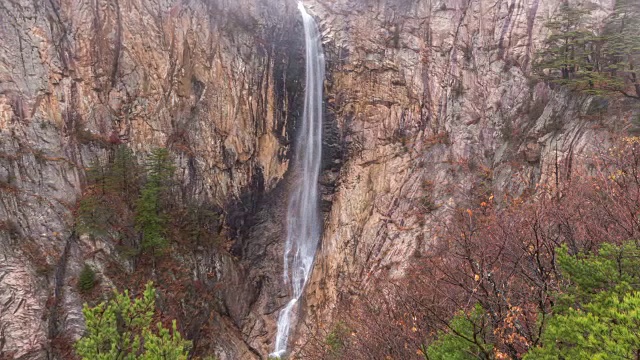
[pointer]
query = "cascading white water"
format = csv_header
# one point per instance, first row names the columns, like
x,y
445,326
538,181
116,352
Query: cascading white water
x,y
303,217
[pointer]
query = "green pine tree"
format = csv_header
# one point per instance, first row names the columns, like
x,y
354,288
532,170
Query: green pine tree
x,y
565,56
151,219
465,339
589,60
123,173
93,215
120,329
598,316
107,196
621,48
87,279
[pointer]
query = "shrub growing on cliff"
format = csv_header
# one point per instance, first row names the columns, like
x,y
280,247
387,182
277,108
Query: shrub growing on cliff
x,y
121,329
335,340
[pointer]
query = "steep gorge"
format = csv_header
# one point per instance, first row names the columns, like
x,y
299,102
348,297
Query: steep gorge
x,y
430,105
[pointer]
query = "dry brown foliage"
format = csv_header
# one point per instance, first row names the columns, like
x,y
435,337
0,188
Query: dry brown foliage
x,y
501,256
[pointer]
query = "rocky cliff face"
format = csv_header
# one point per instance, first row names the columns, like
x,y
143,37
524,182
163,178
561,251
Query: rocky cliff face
x,y
430,106
216,82
437,109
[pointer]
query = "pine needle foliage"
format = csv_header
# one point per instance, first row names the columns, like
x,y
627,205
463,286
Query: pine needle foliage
x,y
464,340
151,219
598,316
87,279
593,61
107,198
121,329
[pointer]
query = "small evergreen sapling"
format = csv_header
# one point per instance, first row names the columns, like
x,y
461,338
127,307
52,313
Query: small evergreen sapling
x,y
87,279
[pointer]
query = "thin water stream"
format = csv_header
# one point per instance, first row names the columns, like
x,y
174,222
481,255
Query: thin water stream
x,y
303,216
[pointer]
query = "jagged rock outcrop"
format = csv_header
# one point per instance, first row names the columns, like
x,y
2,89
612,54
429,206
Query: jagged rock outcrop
x,y
430,106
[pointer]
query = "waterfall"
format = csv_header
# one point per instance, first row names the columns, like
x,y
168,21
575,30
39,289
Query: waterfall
x,y
303,216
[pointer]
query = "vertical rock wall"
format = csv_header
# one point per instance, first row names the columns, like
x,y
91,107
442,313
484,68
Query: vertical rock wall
x,y
216,82
437,108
